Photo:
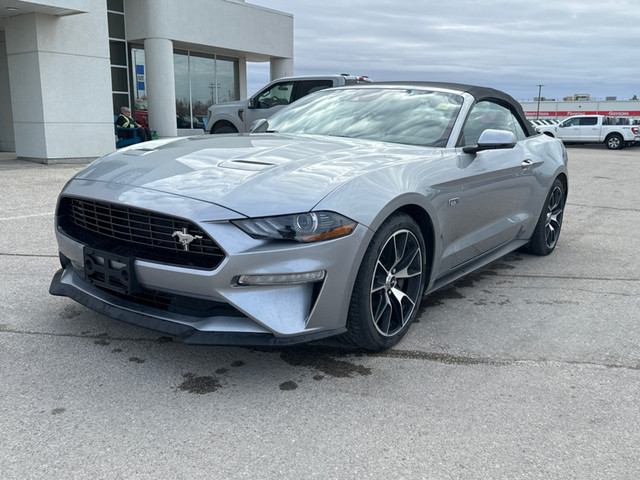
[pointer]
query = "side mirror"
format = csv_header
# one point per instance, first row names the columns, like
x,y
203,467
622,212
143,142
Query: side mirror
x,y
259,126
492,139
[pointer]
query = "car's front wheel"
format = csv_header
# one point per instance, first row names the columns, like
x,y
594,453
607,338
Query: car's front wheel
x,y
224,128
389,285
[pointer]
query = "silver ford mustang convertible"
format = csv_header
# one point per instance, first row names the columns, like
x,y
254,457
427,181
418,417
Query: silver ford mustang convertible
x,y
334,217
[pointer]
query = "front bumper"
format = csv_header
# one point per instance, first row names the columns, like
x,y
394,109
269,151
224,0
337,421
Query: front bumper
x,y
209,306
67,283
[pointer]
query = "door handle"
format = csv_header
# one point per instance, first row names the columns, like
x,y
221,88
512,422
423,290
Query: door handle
x,y
526,163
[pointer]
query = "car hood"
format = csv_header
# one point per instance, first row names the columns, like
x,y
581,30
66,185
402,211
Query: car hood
x,y
228,105
253,175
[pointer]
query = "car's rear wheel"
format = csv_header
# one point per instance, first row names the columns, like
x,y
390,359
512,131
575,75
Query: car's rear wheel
x,y
545,236
614,141
389,285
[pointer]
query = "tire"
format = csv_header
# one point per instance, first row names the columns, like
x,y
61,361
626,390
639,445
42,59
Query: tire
x,y
547,232
389,285
614,141
226,128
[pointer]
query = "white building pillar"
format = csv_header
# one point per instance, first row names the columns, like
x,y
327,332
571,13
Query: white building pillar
x,y
60,85
281,67
161,87
242,78
7,143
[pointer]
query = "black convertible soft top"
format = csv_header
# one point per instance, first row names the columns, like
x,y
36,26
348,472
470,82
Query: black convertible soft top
x,y
477,92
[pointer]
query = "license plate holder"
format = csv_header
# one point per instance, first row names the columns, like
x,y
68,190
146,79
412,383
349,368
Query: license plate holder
x,y
109,271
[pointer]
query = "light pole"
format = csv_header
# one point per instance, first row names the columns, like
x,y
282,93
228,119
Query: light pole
x,y
539,93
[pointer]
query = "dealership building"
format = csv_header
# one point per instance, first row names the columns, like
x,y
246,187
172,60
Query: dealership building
x,y
67,66
626,110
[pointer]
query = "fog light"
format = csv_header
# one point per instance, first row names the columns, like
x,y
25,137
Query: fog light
x,y
281,278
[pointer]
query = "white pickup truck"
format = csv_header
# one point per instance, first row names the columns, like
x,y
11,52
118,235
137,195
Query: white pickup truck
x,y
593,129
233,117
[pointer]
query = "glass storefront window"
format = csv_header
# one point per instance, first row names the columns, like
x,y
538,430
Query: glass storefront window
x,y
200,81
203,87
119,79
183,95
115,5
227,76
139,86
118,53
116,25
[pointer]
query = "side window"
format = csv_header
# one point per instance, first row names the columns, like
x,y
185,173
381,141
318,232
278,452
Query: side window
x,y
571,122
588,121
279,94
305,87
485,115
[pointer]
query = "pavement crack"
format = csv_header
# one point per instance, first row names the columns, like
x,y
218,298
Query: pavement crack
x,y
99,336
566,277
452,359
603,207
441,357
35,255
309,354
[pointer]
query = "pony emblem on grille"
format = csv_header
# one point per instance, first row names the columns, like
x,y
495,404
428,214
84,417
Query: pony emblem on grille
x,y
185,238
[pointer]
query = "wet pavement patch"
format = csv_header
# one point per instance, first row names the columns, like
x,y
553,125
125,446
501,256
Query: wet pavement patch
x,y
438,298
451,292
324,361
290,385
70,311
199,385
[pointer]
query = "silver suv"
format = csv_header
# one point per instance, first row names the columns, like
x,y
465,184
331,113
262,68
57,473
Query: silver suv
x,y
233,117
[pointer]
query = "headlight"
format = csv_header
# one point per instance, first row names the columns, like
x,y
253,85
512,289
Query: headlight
x,y
301,227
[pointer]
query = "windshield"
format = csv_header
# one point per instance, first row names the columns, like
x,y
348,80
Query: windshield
x,y
410,116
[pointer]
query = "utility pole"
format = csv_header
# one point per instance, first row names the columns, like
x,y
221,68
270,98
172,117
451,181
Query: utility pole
x,y
539,93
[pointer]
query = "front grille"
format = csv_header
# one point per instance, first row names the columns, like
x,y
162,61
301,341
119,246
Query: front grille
x,y
138,233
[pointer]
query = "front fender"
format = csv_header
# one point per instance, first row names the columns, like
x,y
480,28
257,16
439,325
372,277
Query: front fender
x,y
370,205
226,118
371,198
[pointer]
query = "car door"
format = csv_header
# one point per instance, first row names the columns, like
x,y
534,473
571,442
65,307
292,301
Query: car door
x,y
569,130
269,101
497,186
589,129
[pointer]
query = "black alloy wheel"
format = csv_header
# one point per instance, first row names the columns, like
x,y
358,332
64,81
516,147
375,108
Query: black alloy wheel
x,y
545,236
389,285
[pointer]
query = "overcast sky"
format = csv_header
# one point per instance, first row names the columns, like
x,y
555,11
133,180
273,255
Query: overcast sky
x,y
569,46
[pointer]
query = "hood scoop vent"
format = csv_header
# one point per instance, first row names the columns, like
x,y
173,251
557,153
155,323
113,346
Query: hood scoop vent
x,y
247,164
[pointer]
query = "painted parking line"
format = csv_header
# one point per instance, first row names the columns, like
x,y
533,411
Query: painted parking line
x,y
22,217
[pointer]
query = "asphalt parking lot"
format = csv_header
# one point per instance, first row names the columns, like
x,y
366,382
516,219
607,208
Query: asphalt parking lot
x,y
529,368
